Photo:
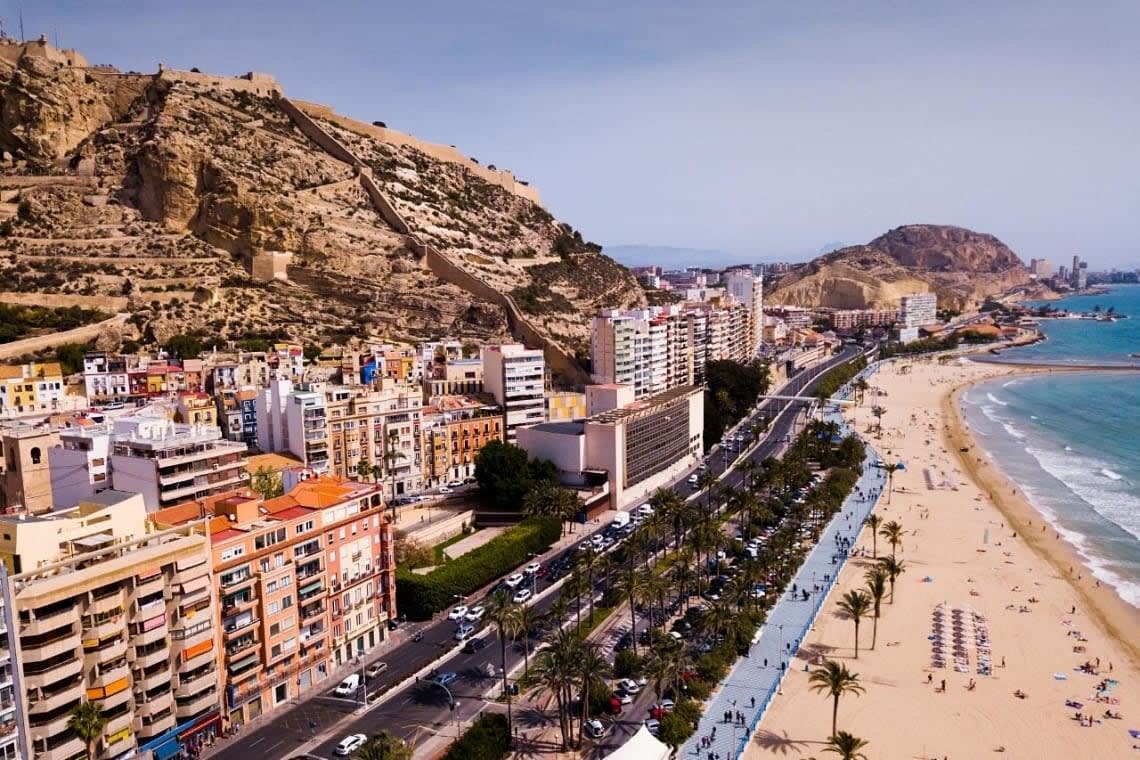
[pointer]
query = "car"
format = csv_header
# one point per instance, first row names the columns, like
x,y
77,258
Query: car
x,y
703,466
693,479
630,685
444,490
444,678
532,568
667,704
375,669
469,480
455,484
623,696
463,631
474,644
475,614
348,686
458,613
596,729
653,726
514,580
349,744
676,636
521,596
645,509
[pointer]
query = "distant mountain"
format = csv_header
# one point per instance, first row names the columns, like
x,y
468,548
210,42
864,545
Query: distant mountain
x,y
670,257
962,266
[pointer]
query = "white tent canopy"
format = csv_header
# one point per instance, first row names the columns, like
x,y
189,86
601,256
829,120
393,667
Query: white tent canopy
x,y
642,746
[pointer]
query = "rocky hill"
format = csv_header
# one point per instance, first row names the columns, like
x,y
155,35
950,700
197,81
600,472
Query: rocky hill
x,y
963,267
217,205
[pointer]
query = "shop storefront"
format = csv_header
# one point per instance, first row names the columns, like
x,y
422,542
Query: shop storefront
x,y
185,742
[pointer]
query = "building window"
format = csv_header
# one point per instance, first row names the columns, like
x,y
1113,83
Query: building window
x,y
36,455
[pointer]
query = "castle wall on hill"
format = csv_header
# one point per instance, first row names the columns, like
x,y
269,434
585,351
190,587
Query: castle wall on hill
x,y
12,51
254,82
501,177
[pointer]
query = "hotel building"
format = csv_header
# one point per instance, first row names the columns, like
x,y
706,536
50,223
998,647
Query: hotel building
x,y
103,608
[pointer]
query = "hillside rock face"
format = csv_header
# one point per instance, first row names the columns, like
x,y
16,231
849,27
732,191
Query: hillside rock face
x,y
963,267
160,185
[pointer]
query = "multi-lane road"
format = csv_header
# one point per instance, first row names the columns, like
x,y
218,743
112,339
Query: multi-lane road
x,y
421,710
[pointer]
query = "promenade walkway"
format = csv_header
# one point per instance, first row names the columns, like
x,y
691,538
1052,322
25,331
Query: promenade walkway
x,y
755,679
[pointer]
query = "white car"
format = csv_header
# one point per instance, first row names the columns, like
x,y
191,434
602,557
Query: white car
x,y
454,484
444,490
463,631
597,539
693,480
350,744
532,568
654,726
458,613
645,509
521,595
475,614
514,580
596,729
629,685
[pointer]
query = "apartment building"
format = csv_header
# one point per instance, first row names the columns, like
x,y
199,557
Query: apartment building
x,y
455,429
748,289
237,415
516,377
565,405
918,310
305,582
30,388
103,607
853,319
80,466
452,377
195,408
25,473
11,718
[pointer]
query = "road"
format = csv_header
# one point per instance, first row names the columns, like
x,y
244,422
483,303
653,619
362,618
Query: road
x,y
421,710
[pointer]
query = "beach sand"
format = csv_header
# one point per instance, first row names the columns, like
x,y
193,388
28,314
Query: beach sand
x,y
960,535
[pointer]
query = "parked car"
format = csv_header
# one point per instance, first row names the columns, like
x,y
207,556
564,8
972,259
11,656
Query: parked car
x,y
349,744
458,613
653,725
629,685
348,686
532,568
444,490
693,479
475,614
463,631
514,580
597,729
375,669
521,596
623,696
455,484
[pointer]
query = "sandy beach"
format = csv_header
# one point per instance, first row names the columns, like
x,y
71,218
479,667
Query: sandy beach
x,y
980,559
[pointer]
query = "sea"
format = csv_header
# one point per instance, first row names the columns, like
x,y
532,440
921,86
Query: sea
x,y
1071,441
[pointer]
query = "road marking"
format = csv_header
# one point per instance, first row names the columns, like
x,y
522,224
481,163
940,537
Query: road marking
x,y
259,741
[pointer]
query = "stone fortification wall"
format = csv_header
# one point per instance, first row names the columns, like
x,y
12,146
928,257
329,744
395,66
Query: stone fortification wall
x,y
253,82
12,51
314,132
501,177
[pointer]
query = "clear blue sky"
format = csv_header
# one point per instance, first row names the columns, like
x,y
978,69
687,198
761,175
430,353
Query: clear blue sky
x,y
761,128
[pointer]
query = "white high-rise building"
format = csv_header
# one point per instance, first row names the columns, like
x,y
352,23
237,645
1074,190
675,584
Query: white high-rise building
x,y
516,377
919,309
748,289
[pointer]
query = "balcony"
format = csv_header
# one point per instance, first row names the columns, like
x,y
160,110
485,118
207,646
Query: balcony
x,y
49,725
103,652
159,725
46,648
151,585
155,679
69,749
154,706
197,705
50,619
44,701
112,701
237,603
232,629
190,572
102,628
189,687
312,611
143,661
198,660
107,603
152,607
157,633
235,648
232,581
53,675
118,723
112,679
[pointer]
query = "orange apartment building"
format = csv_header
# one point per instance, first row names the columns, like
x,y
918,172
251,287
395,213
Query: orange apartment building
x,y
305,582
455,428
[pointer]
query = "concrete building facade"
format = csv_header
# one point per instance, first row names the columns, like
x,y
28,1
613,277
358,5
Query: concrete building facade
x,y
516,377
30,388
25,470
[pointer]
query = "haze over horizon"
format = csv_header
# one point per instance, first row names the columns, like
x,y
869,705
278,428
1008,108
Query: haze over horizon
x,y
761,130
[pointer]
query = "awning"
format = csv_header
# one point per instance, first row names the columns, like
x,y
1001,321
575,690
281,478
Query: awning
x,y
310,587
243,663
169,749
196,584
91,542
642,746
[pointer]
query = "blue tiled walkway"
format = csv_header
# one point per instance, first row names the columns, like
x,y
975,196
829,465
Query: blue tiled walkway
x,y
751,684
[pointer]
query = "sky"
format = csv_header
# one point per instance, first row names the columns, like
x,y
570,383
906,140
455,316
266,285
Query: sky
x,y
765,129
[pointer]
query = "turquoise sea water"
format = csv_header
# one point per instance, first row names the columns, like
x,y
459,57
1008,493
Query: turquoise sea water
x,y
1071,441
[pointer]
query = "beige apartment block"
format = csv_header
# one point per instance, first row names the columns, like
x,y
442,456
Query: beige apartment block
x,y
106,608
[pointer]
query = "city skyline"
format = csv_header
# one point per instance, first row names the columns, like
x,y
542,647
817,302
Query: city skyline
x,y
764,132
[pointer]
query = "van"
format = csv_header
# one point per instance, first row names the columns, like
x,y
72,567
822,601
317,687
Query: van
x,y
348,686
621,519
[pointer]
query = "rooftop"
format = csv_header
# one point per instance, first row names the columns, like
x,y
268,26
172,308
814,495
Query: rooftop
x,y
561,428
645,405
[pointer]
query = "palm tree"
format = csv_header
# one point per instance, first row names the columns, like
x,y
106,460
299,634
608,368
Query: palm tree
x,y
574,587
855,604
525,621
633,586
891,468
873,522
557,669
588,561
835,680
876,579
878,411
846,746
705,481
894,569
87,722
861,386
384,746
893,532
391,455
592,666
503,612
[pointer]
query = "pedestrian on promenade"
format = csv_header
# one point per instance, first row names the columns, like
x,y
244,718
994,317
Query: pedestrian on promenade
x,y
753,701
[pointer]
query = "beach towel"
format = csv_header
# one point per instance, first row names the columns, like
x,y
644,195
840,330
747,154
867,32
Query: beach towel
x,y
1060,677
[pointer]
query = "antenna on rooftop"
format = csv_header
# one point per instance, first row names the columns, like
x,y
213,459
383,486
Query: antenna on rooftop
x,y
20,11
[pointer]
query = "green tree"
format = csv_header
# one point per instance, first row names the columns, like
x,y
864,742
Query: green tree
x,y
835,680
266,483
489,738
363,469
732,389
184,346
893,532
855,604
557,669
70,356
876,579
846,746
592,668
384,746
548,498
894,569
503,612
87,722
878,411
505,475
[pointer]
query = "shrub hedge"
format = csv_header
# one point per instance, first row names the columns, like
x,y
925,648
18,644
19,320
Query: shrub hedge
x,y
836,378
489,738
420,596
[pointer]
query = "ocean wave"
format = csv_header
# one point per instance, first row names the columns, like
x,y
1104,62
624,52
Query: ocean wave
x,y
1084,477
1009,383
1068,448
996,400
1013,432
1110,474
1033,416
1101,568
